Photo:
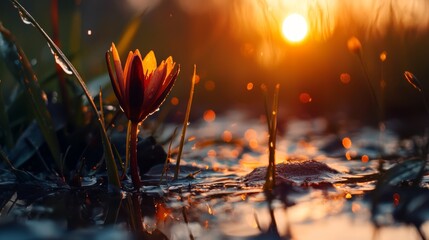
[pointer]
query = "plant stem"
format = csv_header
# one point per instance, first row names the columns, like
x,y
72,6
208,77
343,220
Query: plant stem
x,y
185,124
134,168
272,130
371,88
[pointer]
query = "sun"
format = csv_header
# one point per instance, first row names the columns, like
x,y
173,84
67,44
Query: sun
x,y
295,28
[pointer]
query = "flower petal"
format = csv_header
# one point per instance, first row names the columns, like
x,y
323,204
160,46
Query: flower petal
x,y
118,69
155,82
149,63
162,93
170,64
113,79
127,67
135,88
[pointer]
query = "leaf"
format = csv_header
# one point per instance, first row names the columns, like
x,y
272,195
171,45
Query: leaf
x,y
129,33
409,170
27,145
21,68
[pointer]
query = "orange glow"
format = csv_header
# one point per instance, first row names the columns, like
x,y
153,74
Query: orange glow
x,y
356,207
162,212
227,136
383,56
354,45
174,101
253,143
305,98
345,78
243,196
197,78
211,153
348,155
365,158
209,115
191,138
250,134
347,143
209,210
348,196
295,28
249,86
209,85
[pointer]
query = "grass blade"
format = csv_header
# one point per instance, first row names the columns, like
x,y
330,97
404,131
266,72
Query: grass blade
x,y
129,33
185,123
63,61
272,129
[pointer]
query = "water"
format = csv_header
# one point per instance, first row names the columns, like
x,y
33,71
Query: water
x,y
321,195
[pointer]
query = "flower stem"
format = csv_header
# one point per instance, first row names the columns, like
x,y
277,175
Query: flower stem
x,y
134,168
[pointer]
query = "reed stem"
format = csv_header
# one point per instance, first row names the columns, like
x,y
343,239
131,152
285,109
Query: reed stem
x,y
185,123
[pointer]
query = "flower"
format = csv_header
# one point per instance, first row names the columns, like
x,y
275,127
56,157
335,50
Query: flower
x,y
141,87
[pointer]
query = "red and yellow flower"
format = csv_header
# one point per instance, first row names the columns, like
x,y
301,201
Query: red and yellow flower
x,y
141,87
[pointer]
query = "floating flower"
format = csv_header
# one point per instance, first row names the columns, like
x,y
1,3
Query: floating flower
x,y
141,87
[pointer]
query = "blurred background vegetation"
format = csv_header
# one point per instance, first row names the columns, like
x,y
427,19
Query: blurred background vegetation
x,y
234,43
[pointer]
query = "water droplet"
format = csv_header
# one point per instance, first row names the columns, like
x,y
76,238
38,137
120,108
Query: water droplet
x,y
33,62
45,97
60,62
24,18
188,123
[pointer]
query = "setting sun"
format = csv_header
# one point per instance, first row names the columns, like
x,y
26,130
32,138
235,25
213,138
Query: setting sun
x,y
294,28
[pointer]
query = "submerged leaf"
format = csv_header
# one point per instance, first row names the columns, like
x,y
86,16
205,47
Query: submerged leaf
x,y
27,145
410,170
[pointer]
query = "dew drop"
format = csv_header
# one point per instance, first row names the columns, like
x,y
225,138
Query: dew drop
x,y
33,62
24,18
22,14
60,62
